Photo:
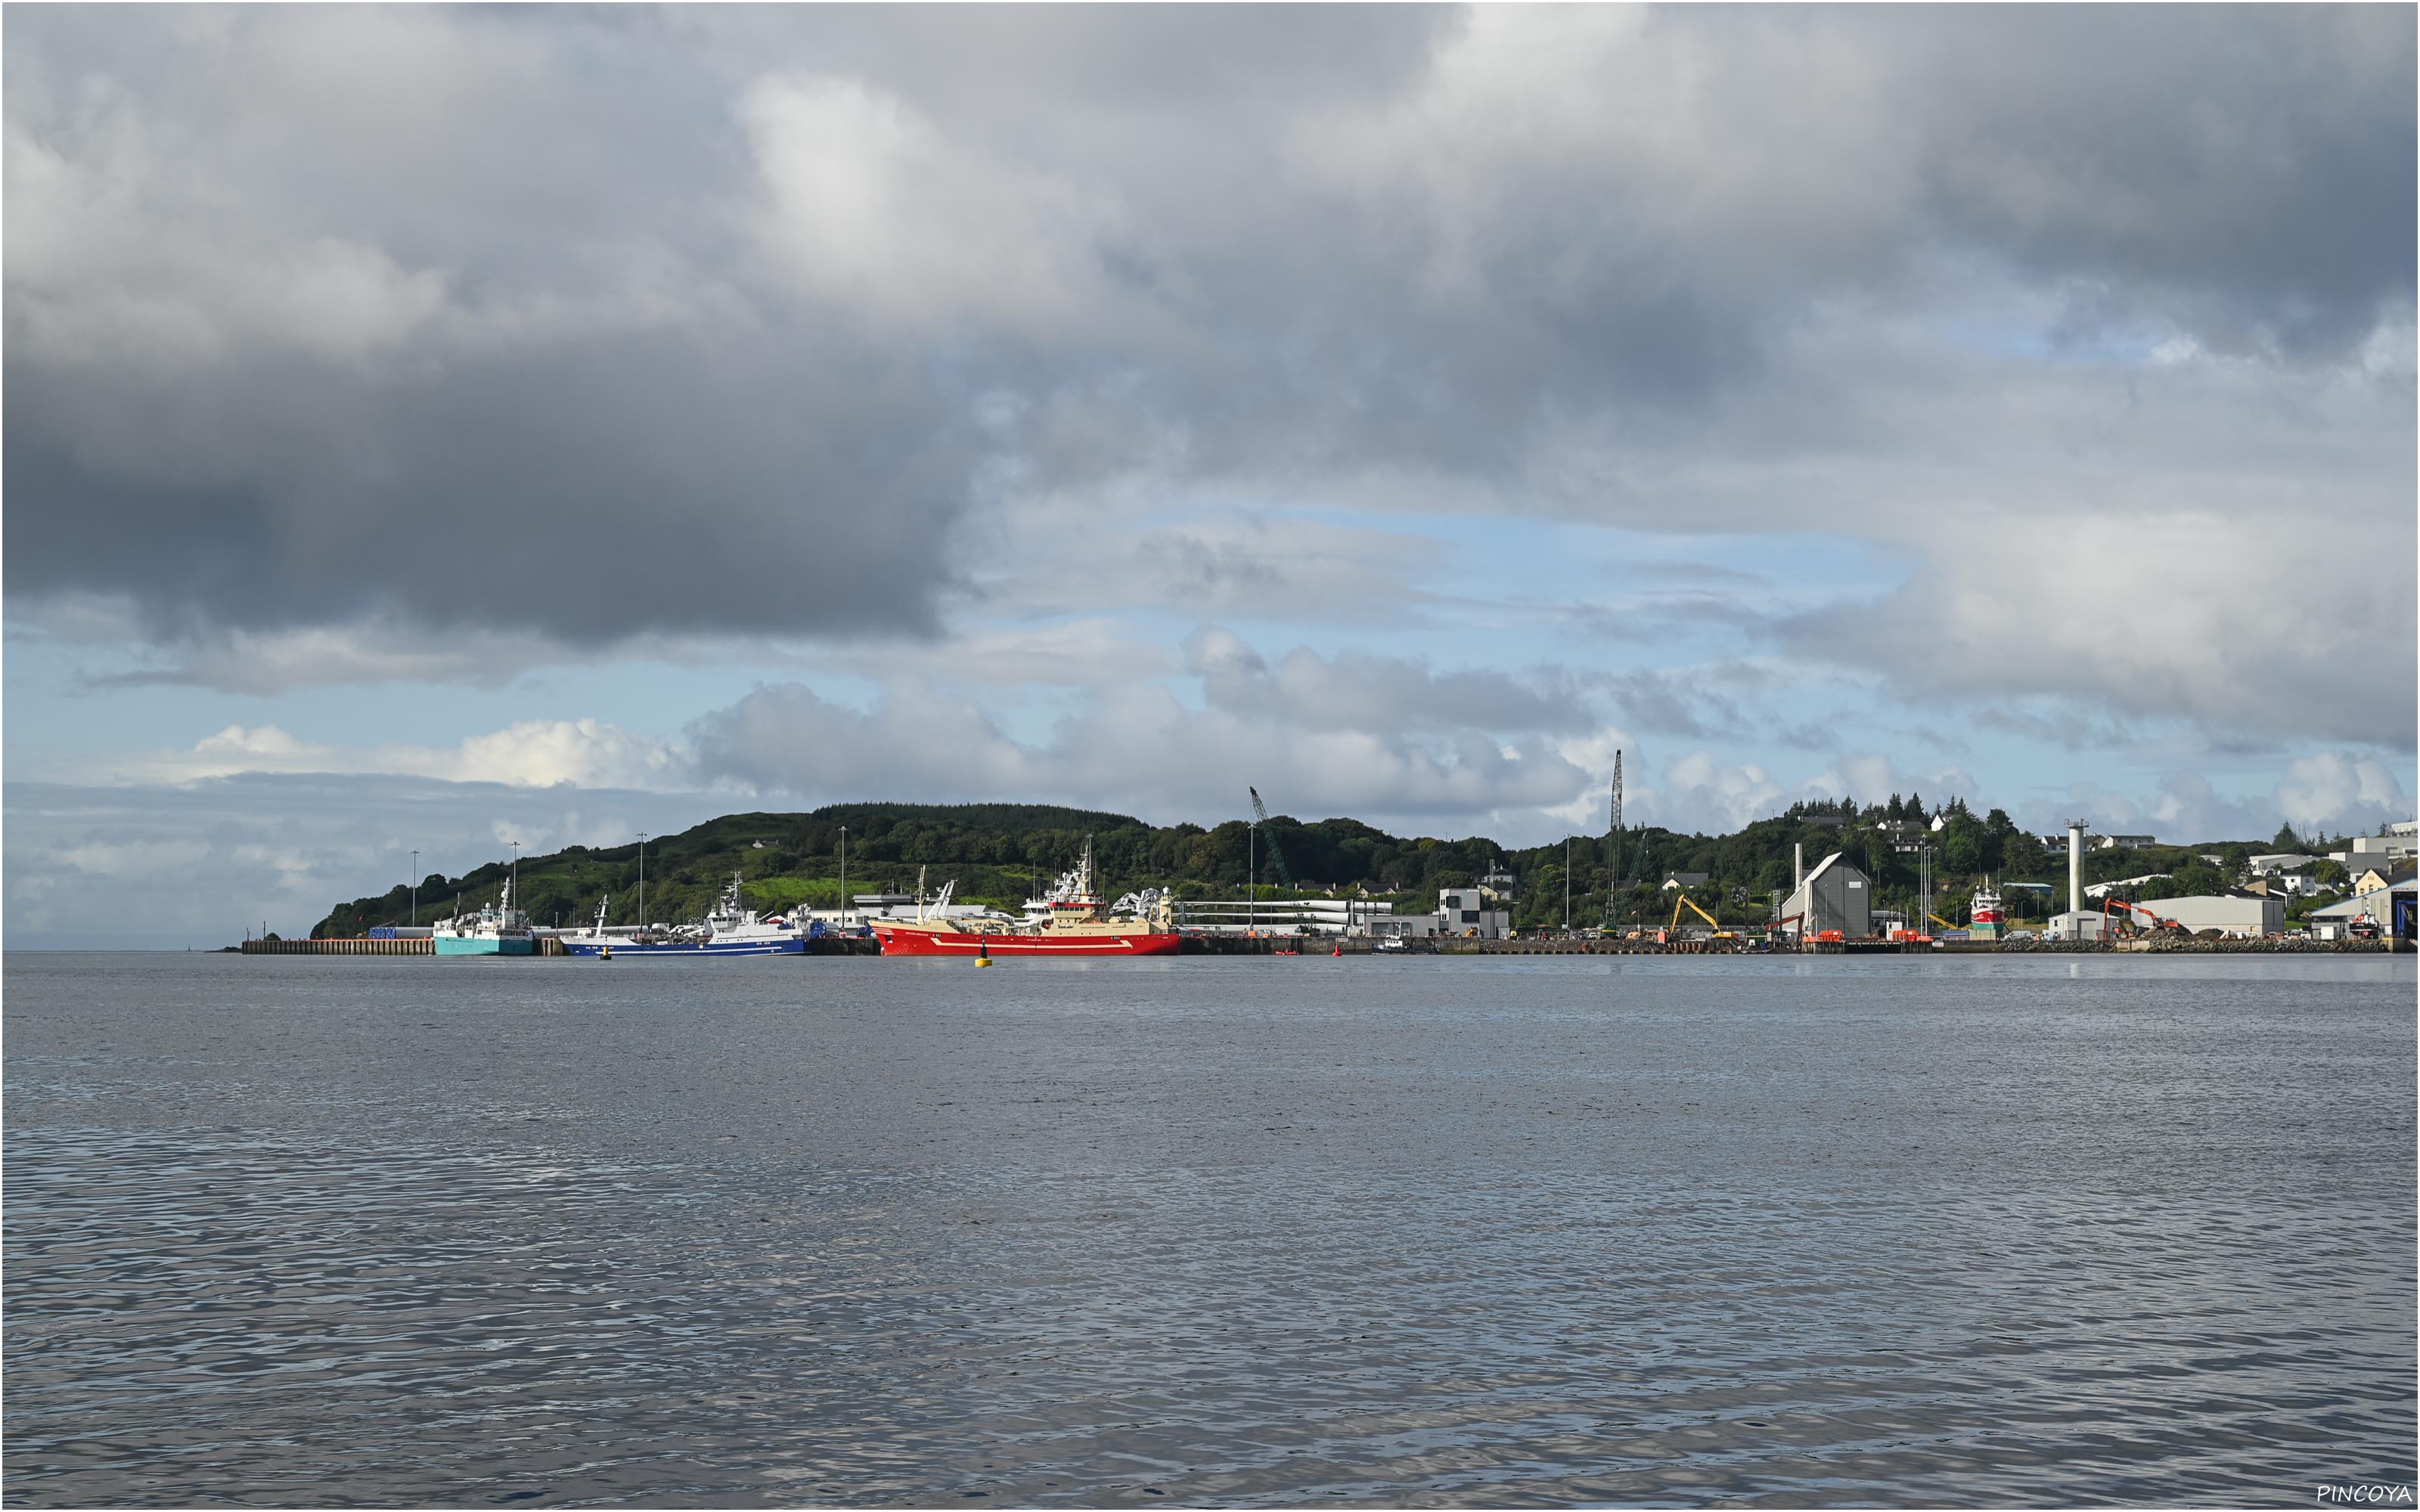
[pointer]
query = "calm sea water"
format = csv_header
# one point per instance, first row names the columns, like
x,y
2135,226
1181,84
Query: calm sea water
x,y
1221,1231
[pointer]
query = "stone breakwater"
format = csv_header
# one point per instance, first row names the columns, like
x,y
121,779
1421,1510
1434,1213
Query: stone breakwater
x,y
2170,945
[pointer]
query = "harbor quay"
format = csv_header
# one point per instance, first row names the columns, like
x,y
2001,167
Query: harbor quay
x,y
1304,945
1818,879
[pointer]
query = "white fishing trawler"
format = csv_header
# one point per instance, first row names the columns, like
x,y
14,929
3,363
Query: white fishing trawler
x,y
731,928
499,930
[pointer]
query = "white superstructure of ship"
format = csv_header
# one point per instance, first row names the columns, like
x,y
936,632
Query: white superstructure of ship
x,y
500,929
732,928
1985,920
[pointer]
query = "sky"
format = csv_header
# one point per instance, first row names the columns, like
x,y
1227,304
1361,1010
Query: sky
x,y
429,429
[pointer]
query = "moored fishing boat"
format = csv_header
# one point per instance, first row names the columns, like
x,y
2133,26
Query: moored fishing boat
x,y
499,930
1985,920
731,928
1073,920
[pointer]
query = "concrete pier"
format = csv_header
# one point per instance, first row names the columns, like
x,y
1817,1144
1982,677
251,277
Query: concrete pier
x,y
353,947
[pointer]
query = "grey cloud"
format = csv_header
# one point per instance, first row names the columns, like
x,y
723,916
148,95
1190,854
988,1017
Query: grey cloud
x,y
1692,572
1667,618
1358,690
1135,750
1691,704
1807,736
2122,148
581,323
2061,724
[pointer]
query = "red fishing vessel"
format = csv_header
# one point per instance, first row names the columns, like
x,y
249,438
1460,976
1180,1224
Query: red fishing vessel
x,y
1985,922
1073,920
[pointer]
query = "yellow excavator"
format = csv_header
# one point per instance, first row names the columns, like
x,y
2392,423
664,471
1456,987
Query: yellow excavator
x,y
1673,928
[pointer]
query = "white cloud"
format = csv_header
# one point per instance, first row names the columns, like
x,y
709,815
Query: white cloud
x,y
2343,791
213,858
2238,626
874,210
534,754
1698,793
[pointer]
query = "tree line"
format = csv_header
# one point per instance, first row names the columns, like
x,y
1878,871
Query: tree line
x,y
1003,853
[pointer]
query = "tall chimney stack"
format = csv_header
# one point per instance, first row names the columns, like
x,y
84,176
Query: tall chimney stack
x,y
1798,865
2075,866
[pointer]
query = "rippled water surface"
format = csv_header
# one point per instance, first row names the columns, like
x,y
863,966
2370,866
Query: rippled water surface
x,y
1219,1232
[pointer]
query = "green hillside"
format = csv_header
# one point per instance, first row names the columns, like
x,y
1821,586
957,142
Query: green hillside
x,y
1001,854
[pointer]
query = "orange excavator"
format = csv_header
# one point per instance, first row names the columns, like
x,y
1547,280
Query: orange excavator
x,y
2114,905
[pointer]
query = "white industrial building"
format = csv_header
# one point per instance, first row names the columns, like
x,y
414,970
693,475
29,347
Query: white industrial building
x,y
868,908
2263,866
2103,889
1464,911
1292,915
2363,852
2241,915
1484,910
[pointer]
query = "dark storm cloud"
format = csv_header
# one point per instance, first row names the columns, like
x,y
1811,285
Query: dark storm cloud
x,y
628,489
587,323
2248,172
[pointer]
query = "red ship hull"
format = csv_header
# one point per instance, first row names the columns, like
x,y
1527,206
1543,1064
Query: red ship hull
x,y
941,941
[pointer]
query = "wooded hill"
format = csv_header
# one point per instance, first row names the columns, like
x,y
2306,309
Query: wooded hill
x,y
1004,853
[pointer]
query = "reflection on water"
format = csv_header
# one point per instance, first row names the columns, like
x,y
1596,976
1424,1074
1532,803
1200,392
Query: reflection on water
x,y
300,1232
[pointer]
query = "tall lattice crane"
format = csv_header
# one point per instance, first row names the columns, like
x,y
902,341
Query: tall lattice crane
x,y
1612,839
1276,857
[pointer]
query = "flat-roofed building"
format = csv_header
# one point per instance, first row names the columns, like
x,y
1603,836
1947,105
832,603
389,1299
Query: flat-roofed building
x,y
1466,911
2376,850
1291,916
2241,915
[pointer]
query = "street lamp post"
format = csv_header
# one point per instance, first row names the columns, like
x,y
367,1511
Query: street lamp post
x,y
844,879
642,882
415,889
